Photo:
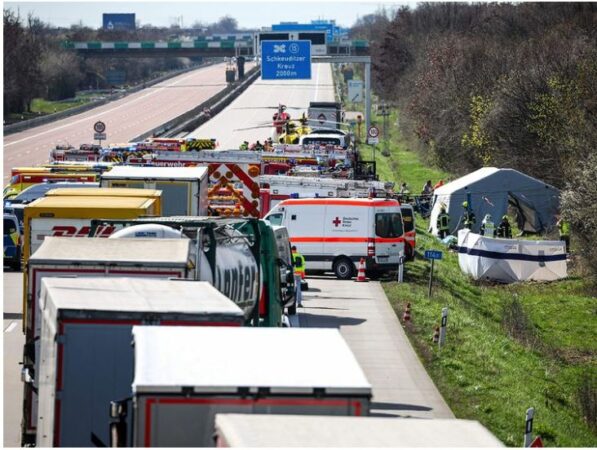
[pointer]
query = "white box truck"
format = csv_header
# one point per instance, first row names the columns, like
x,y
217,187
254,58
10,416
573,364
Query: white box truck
x,y
250,371
86,356
278,431
184,189
87,257
334,234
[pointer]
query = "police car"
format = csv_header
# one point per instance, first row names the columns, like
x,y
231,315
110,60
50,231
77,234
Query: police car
x,y
12,242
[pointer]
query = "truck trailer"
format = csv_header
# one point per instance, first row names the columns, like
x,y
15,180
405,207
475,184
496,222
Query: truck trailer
x,y
278,431
238,256
86,354
86,257
184,189
250,371
71,216
110,192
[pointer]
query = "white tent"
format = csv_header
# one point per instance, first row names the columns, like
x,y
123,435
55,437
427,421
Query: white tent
x,y
489,191
510,260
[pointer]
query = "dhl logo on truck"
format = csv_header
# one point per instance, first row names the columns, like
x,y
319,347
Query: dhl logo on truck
x,y
71,231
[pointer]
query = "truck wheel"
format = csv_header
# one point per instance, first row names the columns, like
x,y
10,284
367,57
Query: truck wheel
x,y
344,269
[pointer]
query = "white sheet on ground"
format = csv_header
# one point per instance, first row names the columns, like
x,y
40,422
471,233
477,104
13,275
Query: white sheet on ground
x,y
510,260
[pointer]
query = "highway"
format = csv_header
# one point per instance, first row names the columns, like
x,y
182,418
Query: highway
x,y
361,311
125,118
256,106
12,342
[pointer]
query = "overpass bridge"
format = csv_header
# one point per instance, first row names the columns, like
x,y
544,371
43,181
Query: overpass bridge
x,y
196,47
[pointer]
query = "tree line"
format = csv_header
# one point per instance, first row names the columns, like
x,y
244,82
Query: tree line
x,y
497,84
37,65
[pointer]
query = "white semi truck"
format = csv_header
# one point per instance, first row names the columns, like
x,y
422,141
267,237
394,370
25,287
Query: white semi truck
x,y
86,358
277,431
177,395
87,257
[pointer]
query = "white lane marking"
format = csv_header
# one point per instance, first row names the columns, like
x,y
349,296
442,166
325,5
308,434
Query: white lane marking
x,y
152,92
10,327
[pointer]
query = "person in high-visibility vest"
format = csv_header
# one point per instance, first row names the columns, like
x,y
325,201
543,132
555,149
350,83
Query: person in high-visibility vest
x,y
564,229
443,223
469,216
298,261
487,226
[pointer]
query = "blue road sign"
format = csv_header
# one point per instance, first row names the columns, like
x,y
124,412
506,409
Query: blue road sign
x,y
119,21
285,60
433,254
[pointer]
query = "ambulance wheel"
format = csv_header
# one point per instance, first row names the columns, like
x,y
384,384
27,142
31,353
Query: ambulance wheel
x,y
344,269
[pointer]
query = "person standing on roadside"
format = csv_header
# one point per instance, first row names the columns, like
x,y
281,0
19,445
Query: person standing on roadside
x,y
469,218
298,261
504,230
564,229
443,222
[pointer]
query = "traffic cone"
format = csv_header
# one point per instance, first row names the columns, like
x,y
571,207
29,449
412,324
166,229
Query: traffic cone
x,y
435,337
361,274
406,315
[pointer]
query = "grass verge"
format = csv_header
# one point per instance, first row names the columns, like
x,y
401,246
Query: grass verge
x,y
509,347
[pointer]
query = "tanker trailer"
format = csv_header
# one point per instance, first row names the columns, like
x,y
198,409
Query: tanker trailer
x,y
238,256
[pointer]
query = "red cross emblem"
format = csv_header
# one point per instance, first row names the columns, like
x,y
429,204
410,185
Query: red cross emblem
x,y
336,221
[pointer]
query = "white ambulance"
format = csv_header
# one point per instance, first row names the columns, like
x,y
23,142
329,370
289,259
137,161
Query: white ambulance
x,y
335,233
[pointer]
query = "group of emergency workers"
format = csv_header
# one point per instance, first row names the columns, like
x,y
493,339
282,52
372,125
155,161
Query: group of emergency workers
x,y
488,228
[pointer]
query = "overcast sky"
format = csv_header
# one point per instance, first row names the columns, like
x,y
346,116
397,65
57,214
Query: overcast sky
x,y
248,14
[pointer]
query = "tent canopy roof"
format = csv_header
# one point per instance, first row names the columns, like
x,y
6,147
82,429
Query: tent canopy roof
x,y
493,176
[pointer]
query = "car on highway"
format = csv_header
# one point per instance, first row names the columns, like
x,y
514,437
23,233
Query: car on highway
x,y
17,210
12,242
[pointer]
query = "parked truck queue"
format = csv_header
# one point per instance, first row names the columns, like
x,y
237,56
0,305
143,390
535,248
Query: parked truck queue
x,y
175,249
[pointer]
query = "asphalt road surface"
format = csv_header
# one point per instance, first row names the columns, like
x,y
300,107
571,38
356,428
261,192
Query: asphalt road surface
x,y
125,118
13,341
362,313
249,117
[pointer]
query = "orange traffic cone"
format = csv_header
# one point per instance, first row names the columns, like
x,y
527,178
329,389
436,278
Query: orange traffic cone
x,y
361,274
435,338
406,315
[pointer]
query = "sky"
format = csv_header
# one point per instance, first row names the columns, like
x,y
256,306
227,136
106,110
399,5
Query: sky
x,y
249,14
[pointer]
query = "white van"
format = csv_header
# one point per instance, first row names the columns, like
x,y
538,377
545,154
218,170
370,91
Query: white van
x,y
334,234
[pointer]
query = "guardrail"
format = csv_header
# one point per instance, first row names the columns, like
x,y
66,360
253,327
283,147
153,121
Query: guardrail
x,y
196,117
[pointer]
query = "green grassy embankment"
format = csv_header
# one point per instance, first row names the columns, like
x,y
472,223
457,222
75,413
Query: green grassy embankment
x,y
41,107
509,347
